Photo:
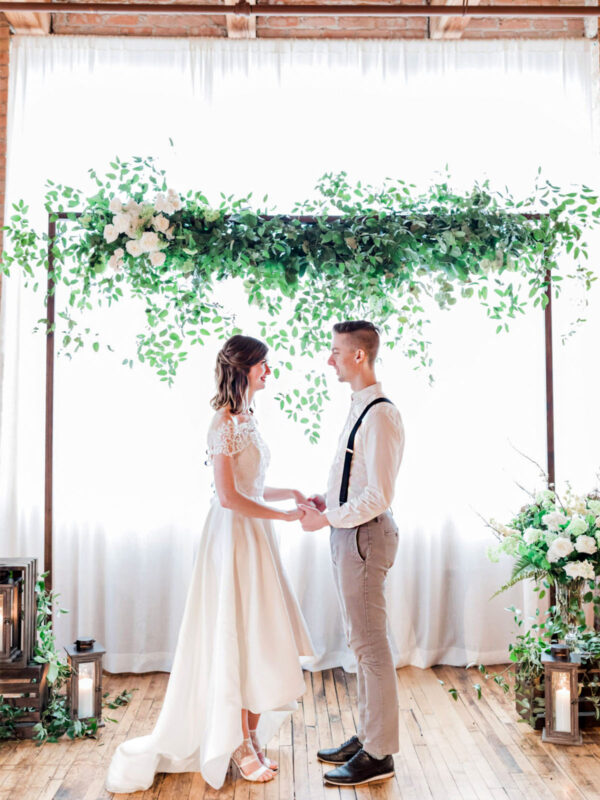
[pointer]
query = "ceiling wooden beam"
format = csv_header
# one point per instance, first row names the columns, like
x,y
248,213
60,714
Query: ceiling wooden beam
x,y
28,22
450,27
240,27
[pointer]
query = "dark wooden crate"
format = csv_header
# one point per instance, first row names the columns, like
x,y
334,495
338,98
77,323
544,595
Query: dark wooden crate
x,y
25,687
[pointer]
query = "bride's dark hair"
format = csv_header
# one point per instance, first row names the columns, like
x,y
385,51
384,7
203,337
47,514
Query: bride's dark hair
x,y
234,360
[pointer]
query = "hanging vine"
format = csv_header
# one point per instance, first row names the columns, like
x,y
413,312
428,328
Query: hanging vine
x,y
355,251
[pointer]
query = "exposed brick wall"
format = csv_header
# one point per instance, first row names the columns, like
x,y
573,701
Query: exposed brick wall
x,y
311,27
319,27
139,25
4,52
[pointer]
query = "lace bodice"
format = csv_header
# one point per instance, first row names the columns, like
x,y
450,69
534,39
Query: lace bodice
x,y
243,442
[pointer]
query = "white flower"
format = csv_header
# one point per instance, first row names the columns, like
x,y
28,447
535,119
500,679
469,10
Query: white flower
x,y
134,247
532,535
116,260
160,223
550,537
545,496
169,234
150,242
580,569
157,259
578,504
560,548
122,222
553,520
594,506
115,205
585,544
111,234
576,526
131,207
163,204
174,199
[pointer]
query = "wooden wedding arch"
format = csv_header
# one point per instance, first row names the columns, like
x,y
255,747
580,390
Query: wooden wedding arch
x,y
49,386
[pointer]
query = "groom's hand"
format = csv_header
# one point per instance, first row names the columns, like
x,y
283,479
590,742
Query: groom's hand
x,y
318,501
313,519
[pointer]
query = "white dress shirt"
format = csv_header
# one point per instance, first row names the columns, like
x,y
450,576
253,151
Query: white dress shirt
x,y
378,448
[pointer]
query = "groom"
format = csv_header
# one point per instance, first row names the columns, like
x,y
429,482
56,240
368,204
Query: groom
x,y
364,541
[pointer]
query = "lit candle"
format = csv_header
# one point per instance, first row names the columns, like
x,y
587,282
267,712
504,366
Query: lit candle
x,y
86,698
562,710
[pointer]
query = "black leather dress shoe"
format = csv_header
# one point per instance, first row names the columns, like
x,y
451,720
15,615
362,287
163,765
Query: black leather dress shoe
x,y
362,768
341,754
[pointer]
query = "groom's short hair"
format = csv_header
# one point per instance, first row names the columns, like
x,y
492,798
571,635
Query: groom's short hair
x,y
364,334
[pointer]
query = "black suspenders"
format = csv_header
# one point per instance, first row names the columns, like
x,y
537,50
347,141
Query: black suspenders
x,y
350,449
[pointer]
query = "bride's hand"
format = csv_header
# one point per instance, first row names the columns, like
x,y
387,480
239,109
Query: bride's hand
x,y
299,498
293,514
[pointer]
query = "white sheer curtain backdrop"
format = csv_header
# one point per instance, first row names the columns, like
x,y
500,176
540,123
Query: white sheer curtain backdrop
x,y
131,488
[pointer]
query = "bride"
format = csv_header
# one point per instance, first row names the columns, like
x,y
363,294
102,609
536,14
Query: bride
x,y
237,658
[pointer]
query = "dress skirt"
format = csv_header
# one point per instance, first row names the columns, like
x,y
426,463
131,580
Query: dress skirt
x,y
239,646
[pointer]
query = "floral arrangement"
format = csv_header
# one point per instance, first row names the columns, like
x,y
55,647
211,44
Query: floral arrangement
x,y
553,538
353,251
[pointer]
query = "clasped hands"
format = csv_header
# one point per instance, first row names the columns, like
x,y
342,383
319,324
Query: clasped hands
x,y
312,508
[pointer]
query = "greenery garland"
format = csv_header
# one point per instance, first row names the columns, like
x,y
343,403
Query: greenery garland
x,y
387,253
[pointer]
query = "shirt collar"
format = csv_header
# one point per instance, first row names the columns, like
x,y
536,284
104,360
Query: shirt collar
x,y
366,394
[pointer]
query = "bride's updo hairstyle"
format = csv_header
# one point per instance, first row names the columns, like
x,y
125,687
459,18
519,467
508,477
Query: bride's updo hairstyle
x,y
234,360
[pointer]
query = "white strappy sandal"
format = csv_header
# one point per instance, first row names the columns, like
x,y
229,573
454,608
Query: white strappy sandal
x,y
264,759
245,758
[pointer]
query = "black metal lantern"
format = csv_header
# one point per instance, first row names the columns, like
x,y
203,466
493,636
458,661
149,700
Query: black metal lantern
x,y
85,685
11,614
562,699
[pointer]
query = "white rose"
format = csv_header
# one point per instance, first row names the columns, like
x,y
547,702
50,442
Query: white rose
x,y
122,222
532,535
594,506
115,205
163,204
580,569
111,234
560,548
160,223
134,247
585,544
149,242
132,207
576,526
157,259
116,260
553,520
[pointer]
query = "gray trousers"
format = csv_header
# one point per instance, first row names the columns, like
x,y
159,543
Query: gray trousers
x,y
362,557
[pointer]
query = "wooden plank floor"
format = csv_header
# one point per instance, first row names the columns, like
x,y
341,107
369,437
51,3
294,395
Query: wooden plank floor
x,y
466,750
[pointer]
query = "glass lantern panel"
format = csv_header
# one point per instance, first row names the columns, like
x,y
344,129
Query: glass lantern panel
x,y
86,689
561,702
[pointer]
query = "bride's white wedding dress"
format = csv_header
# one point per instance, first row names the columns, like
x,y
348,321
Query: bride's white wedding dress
x,y
240,639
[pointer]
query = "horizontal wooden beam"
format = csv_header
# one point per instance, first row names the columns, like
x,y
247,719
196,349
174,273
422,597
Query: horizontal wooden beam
x,y
331,10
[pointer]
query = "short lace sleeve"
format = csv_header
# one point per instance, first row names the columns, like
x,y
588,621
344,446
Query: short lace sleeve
x,y
227,438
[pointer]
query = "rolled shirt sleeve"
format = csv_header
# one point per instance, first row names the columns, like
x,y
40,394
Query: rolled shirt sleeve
x,y
380,439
